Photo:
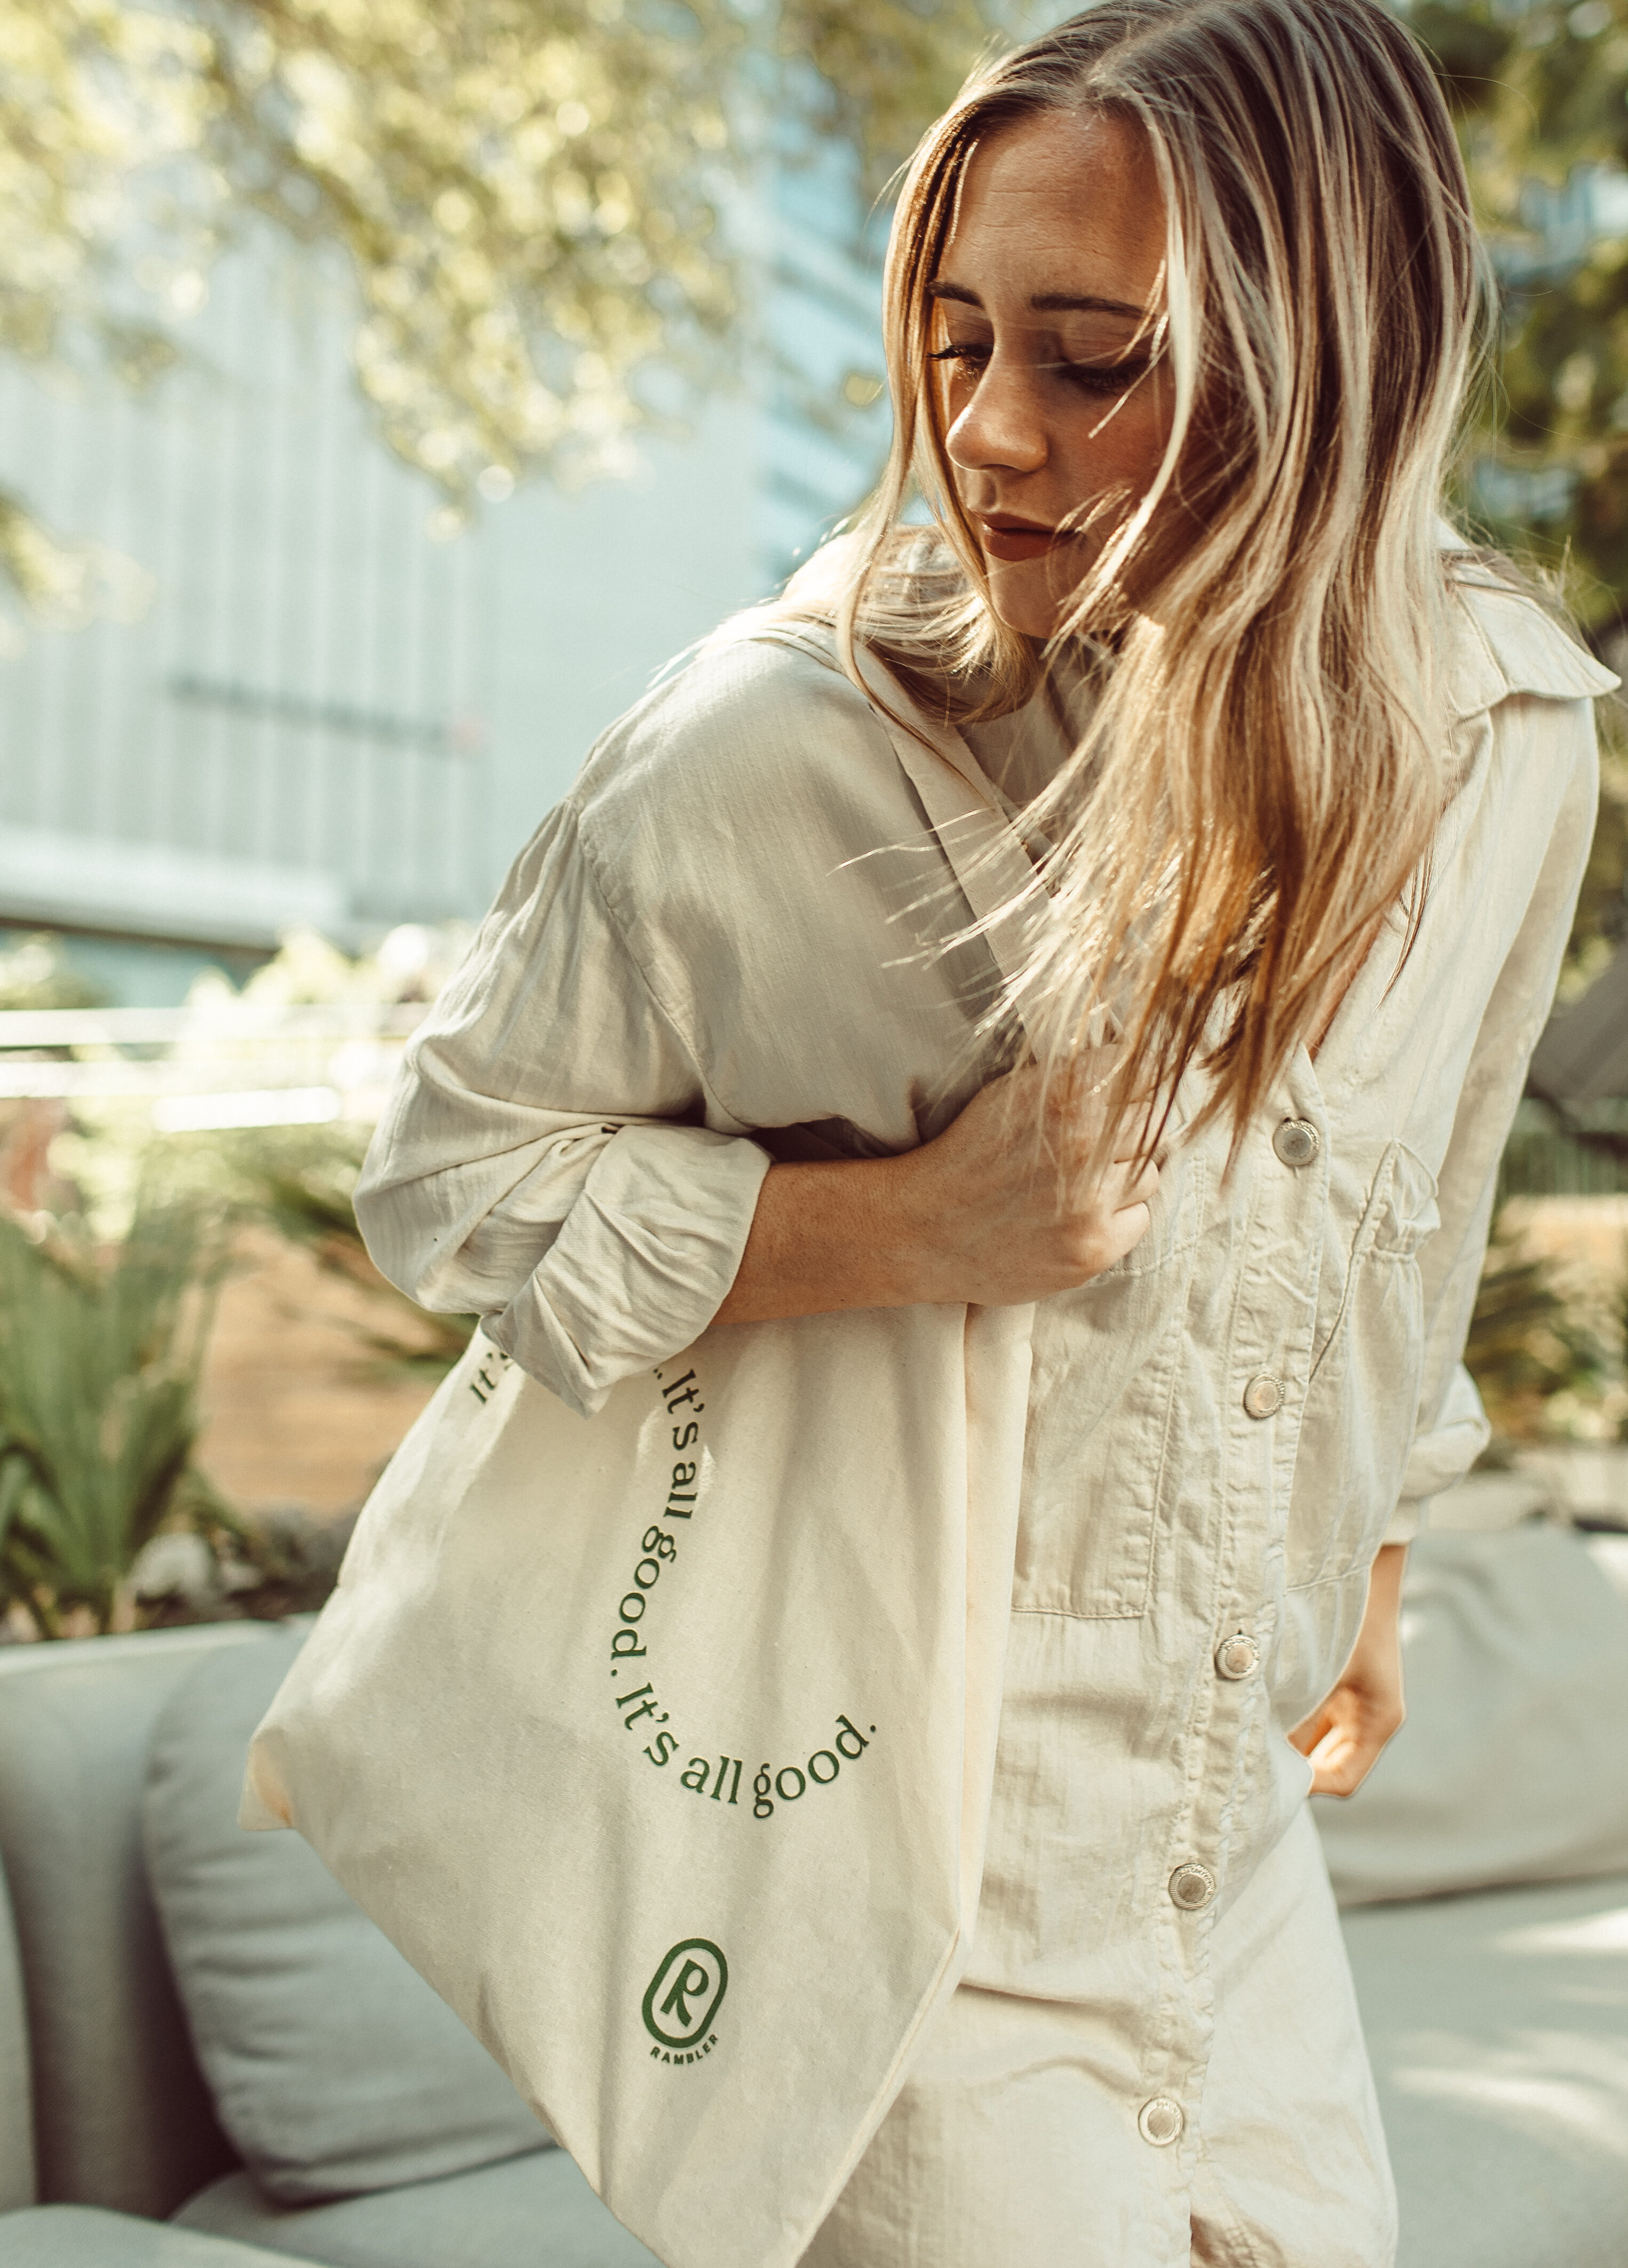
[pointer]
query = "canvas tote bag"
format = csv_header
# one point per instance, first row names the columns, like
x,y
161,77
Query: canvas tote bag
x,y
661,1742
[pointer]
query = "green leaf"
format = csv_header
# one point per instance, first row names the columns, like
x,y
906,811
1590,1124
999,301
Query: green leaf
x,y
100,1354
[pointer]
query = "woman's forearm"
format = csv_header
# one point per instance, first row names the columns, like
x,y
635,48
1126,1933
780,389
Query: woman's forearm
x,y
827,1237
1344,1737
1012,1202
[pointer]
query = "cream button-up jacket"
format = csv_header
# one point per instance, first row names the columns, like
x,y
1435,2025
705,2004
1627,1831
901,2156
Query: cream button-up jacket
x,y
719,932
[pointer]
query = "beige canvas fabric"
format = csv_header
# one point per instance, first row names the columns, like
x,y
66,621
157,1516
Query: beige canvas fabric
x,y
721,931
659,1945
664,1765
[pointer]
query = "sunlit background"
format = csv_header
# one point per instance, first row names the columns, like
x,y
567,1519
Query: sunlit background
x,y
387,392
388,388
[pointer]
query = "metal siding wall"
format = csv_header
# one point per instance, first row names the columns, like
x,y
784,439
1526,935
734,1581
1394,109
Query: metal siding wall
x,y
295,572
824,306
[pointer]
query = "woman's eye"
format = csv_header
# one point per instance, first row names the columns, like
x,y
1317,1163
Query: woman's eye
x,y
1100,378
1103,378
961,356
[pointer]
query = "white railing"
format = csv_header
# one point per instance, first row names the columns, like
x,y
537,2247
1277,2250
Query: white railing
x,y
224,1061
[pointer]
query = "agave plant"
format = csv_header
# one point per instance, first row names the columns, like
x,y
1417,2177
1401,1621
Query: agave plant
x,y
99,1355
1529,1341
300,1181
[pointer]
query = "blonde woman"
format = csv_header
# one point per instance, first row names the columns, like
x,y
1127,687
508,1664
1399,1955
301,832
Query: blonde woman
x,y
1182,301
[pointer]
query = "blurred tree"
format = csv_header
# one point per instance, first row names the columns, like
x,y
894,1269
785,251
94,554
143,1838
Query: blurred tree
x,y
35,973
1540,93
301,1181
527,193
883,73
1529,1339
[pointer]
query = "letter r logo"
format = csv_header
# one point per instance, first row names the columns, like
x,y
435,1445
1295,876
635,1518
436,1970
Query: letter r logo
x,y
692,1978
686,1992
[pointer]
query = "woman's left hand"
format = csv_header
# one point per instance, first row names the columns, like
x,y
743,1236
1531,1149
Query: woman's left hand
x,y
1344,1737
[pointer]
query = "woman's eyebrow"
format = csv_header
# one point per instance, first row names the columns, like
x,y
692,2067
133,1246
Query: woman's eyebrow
x,y
1050,303
1043,302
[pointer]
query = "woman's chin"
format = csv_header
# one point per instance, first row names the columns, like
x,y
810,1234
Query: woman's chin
x,y
1022,597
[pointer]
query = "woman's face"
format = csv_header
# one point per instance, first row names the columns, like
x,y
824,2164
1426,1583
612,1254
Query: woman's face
x,y
1044,308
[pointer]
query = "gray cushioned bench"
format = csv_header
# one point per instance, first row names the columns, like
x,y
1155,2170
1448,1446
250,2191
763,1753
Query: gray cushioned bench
x,y
102,2100
82,2237
1498,2024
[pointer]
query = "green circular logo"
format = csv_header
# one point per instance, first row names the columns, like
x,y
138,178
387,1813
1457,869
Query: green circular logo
x,y
686,1993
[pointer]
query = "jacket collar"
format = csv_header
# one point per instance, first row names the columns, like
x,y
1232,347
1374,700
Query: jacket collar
x,y
1507,645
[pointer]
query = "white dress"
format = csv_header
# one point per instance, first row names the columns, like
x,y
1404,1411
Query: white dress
x,y
1155,2055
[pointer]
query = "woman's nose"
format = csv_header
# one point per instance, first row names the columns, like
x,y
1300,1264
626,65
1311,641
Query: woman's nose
x,y
1001,428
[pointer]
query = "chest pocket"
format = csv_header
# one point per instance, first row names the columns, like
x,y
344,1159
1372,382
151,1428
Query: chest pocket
x,y
1362,1398
1108,1361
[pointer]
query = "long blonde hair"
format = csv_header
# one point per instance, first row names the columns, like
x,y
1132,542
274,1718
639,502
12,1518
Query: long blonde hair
x,y
1262,775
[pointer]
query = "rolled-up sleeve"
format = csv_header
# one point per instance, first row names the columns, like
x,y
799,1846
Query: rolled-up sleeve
x,y
545,1161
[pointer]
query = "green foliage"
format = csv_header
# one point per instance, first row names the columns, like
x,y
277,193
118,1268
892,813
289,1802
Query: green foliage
x,y
527,193
99,1353
1537,93
1528,1341
884,73
1471,45
35,974
221,1570
301,1181
1540,92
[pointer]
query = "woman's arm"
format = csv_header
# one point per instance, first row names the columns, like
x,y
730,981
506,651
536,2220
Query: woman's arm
x,y
542,1162
1002,1208
1344,1737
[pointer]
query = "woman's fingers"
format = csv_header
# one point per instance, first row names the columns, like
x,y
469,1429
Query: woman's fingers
x,y
1144,1188
1343,1739
1123,1186
1340,1764
1126,1228
1014,1198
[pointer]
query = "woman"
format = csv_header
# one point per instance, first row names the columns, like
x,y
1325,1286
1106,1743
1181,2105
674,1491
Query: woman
x,y
1182,301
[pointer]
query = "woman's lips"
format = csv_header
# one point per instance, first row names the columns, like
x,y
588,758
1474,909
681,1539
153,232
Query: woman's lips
x,y
1004,538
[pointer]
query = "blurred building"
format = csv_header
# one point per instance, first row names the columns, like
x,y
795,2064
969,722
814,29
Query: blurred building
x,y
325,715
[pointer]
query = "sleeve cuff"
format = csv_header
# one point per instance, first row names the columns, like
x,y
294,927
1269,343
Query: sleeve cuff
x,y
643,1263
1407,1520
1446,1452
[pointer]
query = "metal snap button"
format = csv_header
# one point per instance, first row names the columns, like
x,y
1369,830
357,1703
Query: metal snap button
x,y
1296,1141
1262,1397
1191,1887
1237,1656
1160,2122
